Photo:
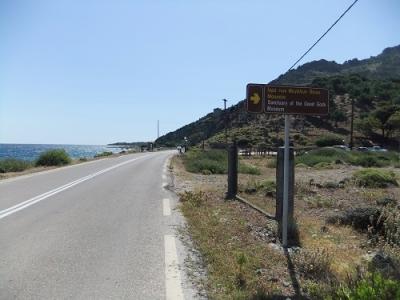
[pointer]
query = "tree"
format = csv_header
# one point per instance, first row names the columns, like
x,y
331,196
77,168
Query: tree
x,y
338,86
364,100
368,125
243,142
383,114
338,116
393,123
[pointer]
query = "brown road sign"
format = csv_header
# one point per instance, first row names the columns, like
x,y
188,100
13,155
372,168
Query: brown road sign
x,y
254,98
296,100
279,99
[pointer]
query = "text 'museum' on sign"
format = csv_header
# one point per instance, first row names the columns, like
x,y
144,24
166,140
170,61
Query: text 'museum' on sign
x,y
278,99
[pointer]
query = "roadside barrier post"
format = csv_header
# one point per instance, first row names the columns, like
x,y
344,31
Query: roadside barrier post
x,y
280,190
232,171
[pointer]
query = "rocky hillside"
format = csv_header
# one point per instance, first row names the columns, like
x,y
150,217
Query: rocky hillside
x,y
385,66
373,84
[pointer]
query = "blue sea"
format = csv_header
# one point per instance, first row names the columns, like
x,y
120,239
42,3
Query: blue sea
x,y
31,152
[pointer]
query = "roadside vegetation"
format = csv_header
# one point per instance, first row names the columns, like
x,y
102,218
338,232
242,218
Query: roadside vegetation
x,y
375,178
14,165
348,223
54,157
373,286
213,162
233,256
103,154
329,157
329,140
10,167
207,162
347,210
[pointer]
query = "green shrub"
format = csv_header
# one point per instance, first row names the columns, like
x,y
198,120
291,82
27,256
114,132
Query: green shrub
x,y
268,186
323,155
372,287
206,162
241,260
312,160
319,202
329,140
323,165
390,219
13,165
318,290
248,169
339,156
329,151
271,163
104,153
373,159
374,178
360,218
367,161
332,185
314,264
206,166
206,172
301,165
55,157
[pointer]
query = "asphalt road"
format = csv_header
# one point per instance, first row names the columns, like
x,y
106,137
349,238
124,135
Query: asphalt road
x,y
98,230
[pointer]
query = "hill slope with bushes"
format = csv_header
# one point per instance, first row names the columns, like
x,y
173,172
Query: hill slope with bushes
x,y
372,85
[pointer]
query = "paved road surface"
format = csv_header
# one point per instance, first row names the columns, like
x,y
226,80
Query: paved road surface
x,y
98,230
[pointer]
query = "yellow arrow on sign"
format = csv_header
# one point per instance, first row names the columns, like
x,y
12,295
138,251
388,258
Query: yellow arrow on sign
x,y
255,98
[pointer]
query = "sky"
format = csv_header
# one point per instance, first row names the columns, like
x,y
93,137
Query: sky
x,y
97,72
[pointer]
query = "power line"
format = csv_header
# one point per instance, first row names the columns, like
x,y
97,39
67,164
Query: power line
x,y
322,36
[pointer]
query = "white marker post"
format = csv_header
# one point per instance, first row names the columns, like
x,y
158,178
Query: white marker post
x,y
285,183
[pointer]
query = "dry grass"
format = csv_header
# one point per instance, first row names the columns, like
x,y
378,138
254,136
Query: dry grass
x,y
341,243
225,230
232,248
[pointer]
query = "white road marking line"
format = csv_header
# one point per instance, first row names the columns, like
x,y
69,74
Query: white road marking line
x,y
166,165
13,209
39,173
172,275
166,207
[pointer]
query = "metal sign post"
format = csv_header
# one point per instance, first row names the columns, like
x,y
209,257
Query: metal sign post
x,y
285,183
286,100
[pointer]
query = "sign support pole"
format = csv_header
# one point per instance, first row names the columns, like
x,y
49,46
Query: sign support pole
x,y
285,183
293,100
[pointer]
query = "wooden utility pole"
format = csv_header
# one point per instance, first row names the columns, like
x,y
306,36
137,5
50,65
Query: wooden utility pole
x,y
225,122
232,171
351,144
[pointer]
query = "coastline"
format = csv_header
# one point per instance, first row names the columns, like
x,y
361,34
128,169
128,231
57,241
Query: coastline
x,y
30,152
8,175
